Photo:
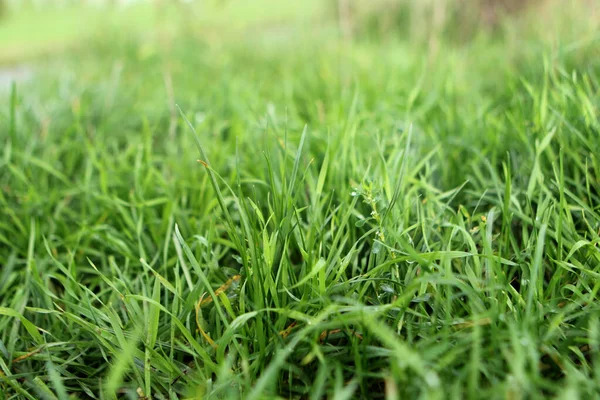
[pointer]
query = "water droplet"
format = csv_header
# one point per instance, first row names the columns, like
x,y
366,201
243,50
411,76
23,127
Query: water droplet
x,y
199,117
238,259
376,247
432,379
387,289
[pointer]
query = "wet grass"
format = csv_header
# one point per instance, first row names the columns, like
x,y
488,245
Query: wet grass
x,y
189,216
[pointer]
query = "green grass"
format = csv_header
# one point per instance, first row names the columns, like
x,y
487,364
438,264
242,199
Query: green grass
x,y
263,211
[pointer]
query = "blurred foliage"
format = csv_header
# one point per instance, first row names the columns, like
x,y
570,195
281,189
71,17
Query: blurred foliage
x,y
37,28
462,20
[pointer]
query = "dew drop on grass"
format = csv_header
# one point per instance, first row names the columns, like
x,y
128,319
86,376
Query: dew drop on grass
x,y
387,289
376,248
199,117
432,379
202,240
238,259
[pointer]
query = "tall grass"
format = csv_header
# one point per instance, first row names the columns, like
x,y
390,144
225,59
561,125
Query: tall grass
x,y
316,217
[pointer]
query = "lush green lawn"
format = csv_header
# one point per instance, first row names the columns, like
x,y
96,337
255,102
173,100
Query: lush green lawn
x,y
397,215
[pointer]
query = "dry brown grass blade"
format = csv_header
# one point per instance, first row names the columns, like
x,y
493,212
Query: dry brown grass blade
x,y
204,301
286,332
220,290
27,355
326,333
204,334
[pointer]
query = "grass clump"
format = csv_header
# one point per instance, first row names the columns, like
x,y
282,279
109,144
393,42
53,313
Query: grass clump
x,y
322,216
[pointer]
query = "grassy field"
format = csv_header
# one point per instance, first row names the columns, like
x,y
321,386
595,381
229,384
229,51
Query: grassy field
x,y
266,202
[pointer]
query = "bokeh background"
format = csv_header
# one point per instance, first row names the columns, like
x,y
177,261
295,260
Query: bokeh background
x,y
30,28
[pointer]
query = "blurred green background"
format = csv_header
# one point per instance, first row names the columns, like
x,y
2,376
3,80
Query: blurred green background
x,y
31,29
40,33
